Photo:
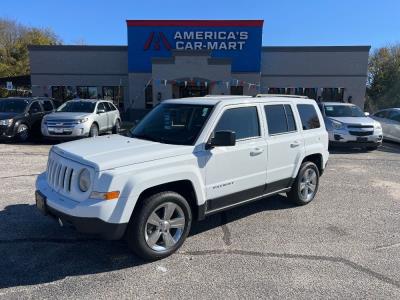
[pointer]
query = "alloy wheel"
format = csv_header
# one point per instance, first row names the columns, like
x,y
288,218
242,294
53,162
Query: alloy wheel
x,y
165,226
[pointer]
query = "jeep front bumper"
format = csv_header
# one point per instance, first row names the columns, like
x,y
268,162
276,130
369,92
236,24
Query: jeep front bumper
x,y
89,216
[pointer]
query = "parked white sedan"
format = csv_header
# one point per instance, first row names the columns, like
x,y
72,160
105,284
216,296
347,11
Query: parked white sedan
x,y
390,120
82,118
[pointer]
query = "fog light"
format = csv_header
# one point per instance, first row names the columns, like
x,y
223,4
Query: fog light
x,y
337,137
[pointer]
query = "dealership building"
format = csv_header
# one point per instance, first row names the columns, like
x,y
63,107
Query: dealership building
x,y
174,59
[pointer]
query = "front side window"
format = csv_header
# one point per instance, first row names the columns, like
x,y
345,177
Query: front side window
x,y
394,116
243,121
280,119
382,114
77,106
35,107
178,124
309,116
47,105
13,105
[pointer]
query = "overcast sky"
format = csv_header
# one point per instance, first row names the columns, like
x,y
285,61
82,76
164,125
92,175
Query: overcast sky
x,y
305,22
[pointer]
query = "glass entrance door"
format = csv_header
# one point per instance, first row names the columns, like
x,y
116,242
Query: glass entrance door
x,y
192,90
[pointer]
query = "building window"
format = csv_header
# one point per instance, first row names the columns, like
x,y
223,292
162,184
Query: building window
x,y
148,96
62,93
114,93
87,92
332,94
236,90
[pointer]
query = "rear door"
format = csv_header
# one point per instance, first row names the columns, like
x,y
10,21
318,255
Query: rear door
x,y
285,145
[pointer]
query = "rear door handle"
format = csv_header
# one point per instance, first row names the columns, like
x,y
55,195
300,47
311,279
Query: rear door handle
x,y
256,151
295,144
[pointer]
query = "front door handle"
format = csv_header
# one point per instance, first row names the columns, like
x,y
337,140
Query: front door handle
x,y
256,151
295,144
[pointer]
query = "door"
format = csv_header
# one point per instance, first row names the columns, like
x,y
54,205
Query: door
x,y
102,117
237,173
382,117
394,125
285,145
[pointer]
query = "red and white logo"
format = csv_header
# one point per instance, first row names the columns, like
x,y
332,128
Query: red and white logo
x,y
155,40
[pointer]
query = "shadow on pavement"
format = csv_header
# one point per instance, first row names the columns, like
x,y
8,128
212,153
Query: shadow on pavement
x,y
45,252
387,147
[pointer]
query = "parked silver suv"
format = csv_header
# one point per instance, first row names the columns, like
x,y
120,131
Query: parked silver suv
x,y
82,118
348,125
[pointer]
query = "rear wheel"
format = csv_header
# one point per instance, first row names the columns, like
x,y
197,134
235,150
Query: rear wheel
x,y
306,184
117,127
23,133
159,226
94,130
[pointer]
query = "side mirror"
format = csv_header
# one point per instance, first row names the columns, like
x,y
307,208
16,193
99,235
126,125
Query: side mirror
x,y
101,111
221,139
366,114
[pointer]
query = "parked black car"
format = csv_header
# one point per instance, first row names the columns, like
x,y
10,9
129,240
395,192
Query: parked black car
x,y
20,118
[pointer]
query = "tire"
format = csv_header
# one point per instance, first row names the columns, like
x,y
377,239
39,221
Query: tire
x,y
117,127
150,238
306,184
94,130
23,133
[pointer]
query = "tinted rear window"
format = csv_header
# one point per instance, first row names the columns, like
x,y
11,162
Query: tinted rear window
x,y
309,116
280,118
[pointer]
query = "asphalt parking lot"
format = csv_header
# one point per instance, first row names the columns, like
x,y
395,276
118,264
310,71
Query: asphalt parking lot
x,y
345,244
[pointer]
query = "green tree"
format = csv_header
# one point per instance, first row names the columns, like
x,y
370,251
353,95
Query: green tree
x,y
383,88
14,41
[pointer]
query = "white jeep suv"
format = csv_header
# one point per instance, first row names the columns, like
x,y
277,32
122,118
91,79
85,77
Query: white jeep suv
x,y
187,159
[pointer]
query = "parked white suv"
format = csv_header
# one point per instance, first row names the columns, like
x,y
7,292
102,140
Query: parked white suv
x,y
82,118
187,159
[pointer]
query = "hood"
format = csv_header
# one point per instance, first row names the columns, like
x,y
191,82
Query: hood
x,y
354,120
66,116
7,115
113,151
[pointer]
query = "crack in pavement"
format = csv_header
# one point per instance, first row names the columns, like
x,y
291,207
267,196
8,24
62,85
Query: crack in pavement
x,y
225,230
22,175
384,247
334,259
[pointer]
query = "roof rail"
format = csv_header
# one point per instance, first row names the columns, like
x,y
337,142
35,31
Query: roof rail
x,y
281,95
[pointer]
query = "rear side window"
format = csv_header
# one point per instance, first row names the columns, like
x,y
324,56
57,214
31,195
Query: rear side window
x,y
243,121
309,116
280,119
47,105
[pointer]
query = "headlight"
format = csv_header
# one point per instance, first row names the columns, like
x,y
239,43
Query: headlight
x,y
84,180
377,125
80,121
337,125
7,122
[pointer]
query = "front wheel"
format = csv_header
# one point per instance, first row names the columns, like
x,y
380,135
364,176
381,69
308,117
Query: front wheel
x,y
22,133
159,226
306,184
94,131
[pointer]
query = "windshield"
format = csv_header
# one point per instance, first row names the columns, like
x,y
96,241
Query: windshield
x,y
343,111
13,105
178,124
77,106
